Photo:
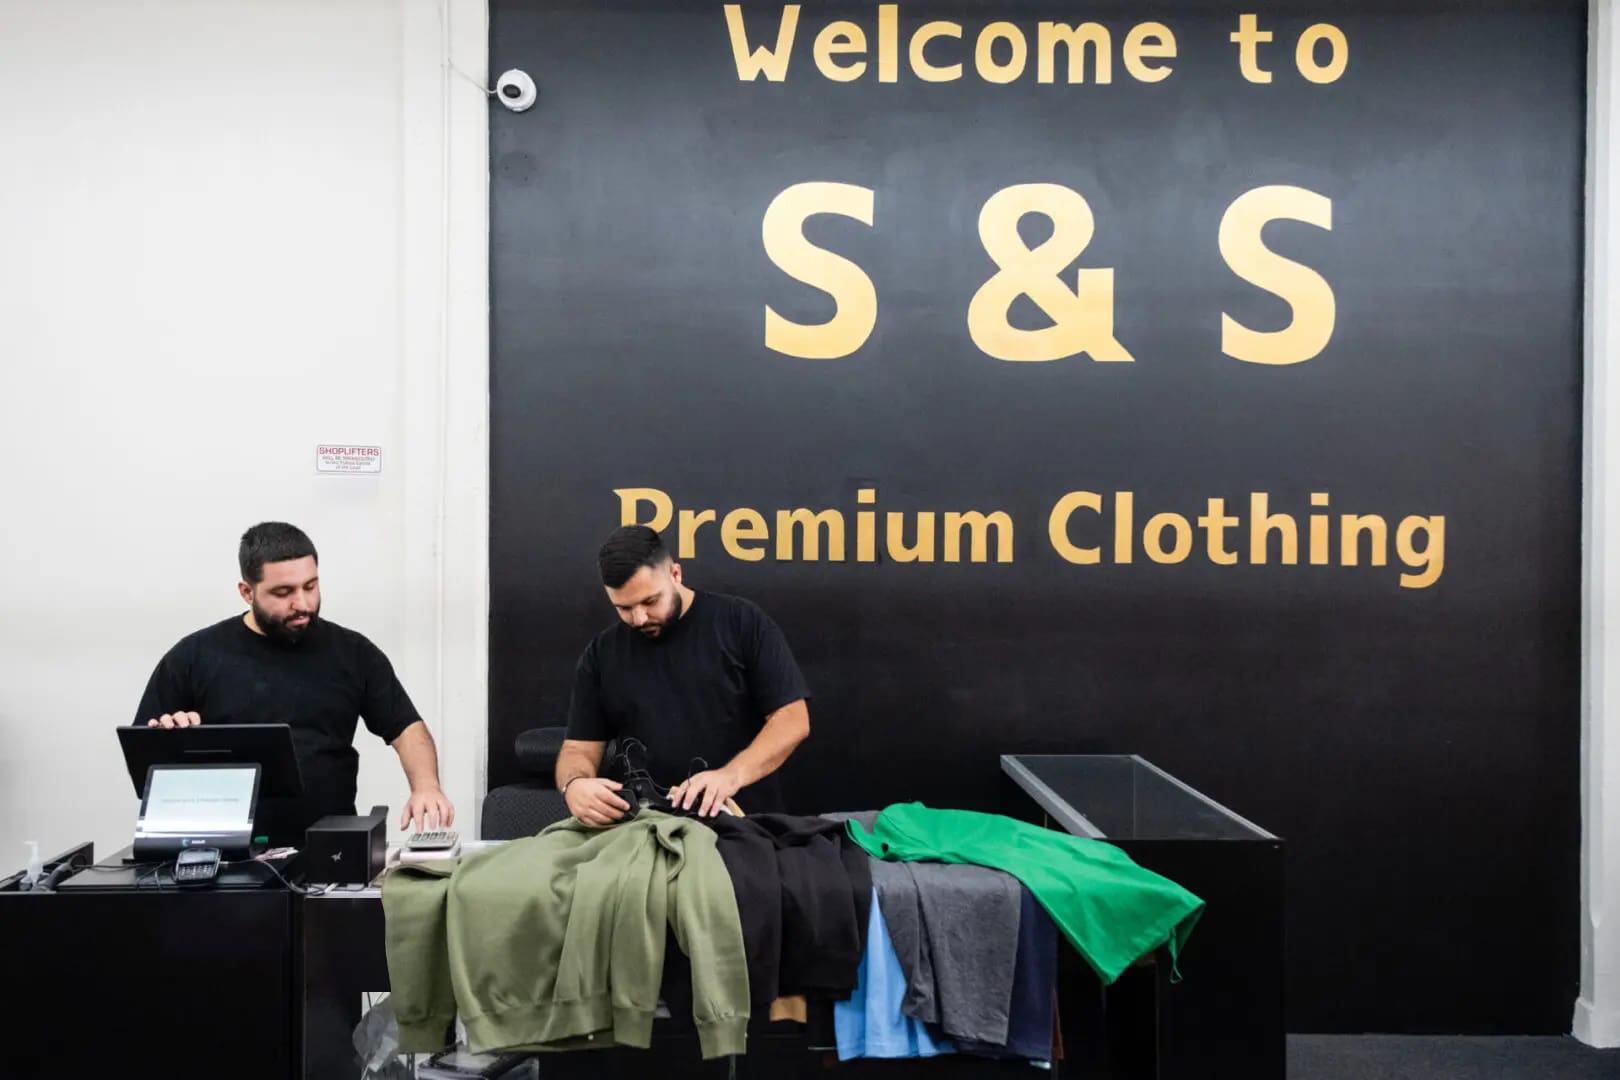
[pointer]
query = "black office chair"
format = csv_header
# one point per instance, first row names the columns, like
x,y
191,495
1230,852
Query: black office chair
x,y
524,808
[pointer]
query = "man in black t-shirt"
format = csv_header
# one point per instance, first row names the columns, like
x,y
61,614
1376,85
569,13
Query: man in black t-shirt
x,y
281,663
705,682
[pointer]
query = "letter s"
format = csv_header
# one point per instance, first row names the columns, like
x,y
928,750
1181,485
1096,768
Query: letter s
x,y
852,291
1302,288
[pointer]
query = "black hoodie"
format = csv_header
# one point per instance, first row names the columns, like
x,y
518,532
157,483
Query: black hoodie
x,y
804,891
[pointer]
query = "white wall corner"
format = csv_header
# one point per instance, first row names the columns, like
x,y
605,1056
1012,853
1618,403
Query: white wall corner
x,y
1597,1010
1596,1028
445,229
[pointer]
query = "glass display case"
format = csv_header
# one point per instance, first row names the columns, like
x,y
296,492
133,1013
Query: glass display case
x,y
1225,1015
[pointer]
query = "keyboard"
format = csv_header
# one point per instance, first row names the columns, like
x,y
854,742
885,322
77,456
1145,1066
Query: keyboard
x,y
432,840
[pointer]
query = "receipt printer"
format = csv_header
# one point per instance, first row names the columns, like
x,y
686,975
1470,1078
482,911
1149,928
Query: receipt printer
x,y
341,850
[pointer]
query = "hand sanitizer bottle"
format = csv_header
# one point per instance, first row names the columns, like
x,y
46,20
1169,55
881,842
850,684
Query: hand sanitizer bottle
x,y
35,867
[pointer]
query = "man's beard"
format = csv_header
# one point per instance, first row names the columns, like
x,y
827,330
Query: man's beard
x,y
655,632
278,631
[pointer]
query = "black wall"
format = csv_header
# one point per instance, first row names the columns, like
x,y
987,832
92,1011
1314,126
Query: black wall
x,y
1417,747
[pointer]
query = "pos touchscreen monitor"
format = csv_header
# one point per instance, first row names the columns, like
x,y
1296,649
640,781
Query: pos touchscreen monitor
x,y
190,806
221,749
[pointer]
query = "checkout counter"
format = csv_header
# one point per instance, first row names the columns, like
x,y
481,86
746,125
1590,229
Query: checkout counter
x,y
123,972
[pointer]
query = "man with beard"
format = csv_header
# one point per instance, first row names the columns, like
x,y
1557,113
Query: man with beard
x,y
705,682
281,663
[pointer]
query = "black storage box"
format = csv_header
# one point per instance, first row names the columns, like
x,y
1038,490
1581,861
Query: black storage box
x,y
341,850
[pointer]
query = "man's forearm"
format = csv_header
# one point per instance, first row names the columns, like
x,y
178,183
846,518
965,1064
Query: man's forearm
x,y
577,759
418,757
784,730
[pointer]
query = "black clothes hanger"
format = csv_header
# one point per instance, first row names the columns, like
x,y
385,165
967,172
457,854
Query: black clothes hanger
x,y
645,793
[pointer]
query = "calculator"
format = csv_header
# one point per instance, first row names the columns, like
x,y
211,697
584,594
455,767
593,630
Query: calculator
x,y
196,866
432,840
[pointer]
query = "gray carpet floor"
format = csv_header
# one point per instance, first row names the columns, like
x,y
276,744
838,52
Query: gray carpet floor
x,y
1425,1057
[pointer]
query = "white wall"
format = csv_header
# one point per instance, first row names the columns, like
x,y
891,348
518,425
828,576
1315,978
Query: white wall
x,y
228,232
1597,1010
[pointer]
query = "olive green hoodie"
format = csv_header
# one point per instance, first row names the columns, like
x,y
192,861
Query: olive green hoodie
x,y
556,941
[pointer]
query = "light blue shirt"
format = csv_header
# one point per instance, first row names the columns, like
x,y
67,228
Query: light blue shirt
x,y
870,1024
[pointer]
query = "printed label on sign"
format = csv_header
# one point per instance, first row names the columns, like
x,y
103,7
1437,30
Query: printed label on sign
x,y
348,459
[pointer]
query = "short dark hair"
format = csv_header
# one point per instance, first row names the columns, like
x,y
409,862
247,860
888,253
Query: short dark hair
x,y
627,550
271,541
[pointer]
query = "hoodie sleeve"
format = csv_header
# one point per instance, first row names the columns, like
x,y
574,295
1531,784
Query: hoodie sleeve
x,y
703,915
418,957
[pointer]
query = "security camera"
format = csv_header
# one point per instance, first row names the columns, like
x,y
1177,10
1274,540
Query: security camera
x,y
515,90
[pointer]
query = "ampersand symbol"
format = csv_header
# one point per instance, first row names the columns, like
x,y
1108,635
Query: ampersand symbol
x,y
1083,320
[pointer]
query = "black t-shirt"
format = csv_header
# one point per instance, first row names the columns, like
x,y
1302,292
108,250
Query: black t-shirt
x,y
228,674
702,689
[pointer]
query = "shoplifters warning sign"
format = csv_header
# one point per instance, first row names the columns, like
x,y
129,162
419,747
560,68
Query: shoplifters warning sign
x,y
348,459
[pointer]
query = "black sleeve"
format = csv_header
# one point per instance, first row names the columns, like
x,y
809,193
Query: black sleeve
x,y
774,679
384,706
587,721
169,689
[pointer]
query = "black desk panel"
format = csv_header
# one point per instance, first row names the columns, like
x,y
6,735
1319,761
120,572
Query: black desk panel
x,y
148,983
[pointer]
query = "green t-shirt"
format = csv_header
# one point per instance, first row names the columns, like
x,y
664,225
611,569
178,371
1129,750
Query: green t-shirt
x,y
1112,910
